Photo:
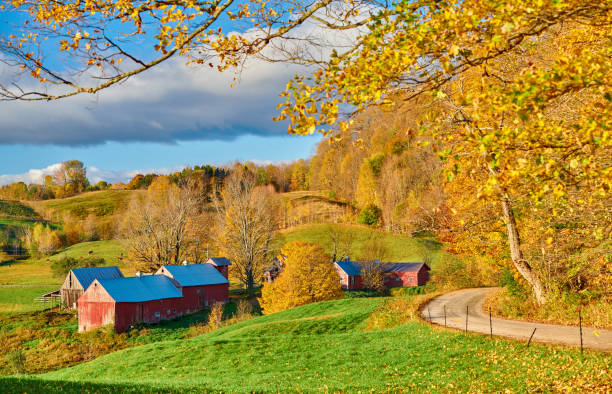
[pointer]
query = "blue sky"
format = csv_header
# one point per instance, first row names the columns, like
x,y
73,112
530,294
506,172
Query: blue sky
x,y
168,117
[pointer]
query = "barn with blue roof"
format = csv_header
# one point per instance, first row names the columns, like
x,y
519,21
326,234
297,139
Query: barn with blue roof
x,y
203,285
395,274
79,279
123,302
221,263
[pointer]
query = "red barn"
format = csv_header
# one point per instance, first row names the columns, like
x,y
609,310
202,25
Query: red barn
x,y
221,263
350,275
405,274
202,284
127,301
396,274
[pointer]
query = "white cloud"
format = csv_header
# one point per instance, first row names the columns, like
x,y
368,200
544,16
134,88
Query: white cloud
x,y
32,176
94,174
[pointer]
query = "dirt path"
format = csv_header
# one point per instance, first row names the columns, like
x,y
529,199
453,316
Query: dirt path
x,y
456,303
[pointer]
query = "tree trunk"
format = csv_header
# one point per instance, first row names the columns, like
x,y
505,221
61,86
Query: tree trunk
x,y
250,285
516,253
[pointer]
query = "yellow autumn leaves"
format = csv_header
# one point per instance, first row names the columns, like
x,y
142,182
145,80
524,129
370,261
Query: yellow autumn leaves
x,y
308,276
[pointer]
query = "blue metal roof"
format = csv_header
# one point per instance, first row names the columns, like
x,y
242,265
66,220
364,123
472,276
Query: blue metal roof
x,y
140,288
195,274
403,267
220,261
349,267
352,268
87,275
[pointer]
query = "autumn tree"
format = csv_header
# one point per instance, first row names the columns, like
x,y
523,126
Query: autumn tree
x,y
518,92
71,177
246,221
372,275
156,225
341,239
307,277
82,53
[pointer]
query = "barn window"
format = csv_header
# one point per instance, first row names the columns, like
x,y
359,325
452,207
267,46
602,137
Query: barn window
x,y
352,280
410,279
157,314
398,279
198,291
342,279
167,313
175,311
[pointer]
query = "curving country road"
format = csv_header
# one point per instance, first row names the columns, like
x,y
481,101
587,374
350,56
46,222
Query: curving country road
x,y
456,303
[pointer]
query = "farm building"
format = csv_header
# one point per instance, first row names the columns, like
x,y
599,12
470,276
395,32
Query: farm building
x,y
126,301
202,284
79,279
221,263
396,274
275,268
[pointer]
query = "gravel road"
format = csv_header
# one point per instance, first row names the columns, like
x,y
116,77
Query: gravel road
x,y
456,303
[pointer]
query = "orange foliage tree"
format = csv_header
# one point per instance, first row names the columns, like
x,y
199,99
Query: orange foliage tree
x,y
308,276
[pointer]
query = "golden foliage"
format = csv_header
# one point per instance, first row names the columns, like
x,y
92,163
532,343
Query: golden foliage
x,y
308,276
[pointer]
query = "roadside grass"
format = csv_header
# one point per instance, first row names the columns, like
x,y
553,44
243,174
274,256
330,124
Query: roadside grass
x,y
597,312
328,347
399,248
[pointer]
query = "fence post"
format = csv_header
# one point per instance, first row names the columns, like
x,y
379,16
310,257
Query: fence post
x,y
490,323
528,342
444,315
467,311
580,323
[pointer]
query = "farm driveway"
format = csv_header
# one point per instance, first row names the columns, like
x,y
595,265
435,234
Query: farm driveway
x,y
456,303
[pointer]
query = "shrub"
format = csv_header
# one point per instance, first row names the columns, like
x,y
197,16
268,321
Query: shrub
x,y
17,361
215,318
369,215
244,309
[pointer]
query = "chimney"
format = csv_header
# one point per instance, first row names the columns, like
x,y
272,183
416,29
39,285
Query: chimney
x,y
139,274
185,262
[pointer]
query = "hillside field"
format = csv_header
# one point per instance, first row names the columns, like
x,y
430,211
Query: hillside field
x,y
399,248
333,346
101,203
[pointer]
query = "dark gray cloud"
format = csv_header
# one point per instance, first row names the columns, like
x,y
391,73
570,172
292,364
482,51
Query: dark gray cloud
x,y
171,103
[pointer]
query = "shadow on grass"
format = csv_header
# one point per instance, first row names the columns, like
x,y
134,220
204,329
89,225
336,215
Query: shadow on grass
x,y
26,384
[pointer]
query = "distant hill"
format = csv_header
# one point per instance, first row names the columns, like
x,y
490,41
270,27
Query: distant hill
x,y
103,203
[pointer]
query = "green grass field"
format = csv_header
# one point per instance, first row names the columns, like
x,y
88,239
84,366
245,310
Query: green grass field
x,y
15,299
399,248
101,203
326,347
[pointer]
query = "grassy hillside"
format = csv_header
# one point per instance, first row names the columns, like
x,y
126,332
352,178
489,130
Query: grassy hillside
x,y
23,280
326,347
16,209
399,248
101,203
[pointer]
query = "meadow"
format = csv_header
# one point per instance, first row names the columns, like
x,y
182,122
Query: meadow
x,y
101,204
399,248
344,345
